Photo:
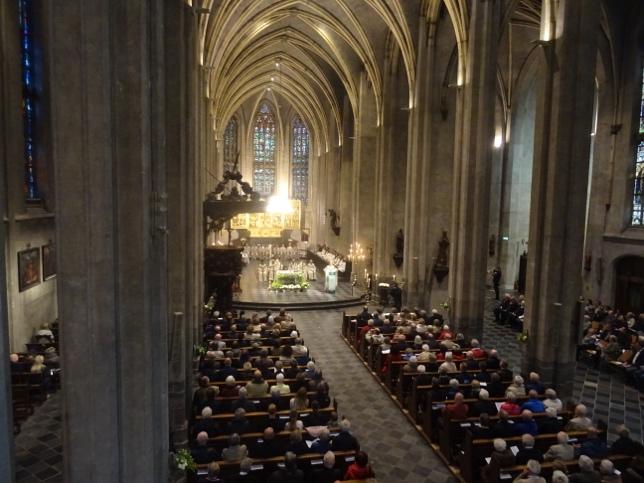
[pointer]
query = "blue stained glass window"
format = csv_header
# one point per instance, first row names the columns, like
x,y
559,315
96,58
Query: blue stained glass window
x,y
300,161
638,188
637,214
230,145
28,98
264,136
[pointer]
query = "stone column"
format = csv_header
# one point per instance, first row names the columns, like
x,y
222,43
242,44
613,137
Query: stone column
x,y
178,215
364,152
108,138
196,101
7,18
10,131
472,170
414,186
384,175
559,186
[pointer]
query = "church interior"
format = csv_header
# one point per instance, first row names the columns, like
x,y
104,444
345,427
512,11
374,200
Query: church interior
x,y
322,240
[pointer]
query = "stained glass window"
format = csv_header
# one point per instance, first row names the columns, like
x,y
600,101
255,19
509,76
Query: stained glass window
x,y
300,161
264,136
230,145
28,98
637,217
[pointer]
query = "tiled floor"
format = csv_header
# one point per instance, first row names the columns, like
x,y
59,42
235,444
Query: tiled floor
x,y
38,452
398,453
604,393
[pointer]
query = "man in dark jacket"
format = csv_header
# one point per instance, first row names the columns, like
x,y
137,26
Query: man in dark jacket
x,y
345,440
328,473
527,451
267,447
290,473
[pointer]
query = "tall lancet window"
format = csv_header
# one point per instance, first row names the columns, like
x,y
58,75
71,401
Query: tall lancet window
x,y
230,145
637,218
29,98
300,161
264,134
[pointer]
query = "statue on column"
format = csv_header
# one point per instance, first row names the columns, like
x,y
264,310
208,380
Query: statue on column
x,y
441,265
400,248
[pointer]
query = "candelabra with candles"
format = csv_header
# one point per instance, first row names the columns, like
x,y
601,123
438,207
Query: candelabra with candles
x,y
356,256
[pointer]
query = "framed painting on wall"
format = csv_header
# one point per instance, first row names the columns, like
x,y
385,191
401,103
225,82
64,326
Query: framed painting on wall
x,y
48,261
28,268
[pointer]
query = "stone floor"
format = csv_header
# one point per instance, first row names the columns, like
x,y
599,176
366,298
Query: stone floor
x,y
255,291
38,451
397,452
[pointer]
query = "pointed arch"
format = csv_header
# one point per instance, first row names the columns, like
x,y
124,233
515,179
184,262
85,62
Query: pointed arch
x,y
231,143
264,139
300,149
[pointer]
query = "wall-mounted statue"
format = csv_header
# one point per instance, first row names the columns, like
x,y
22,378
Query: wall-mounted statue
x,y
400,248
334,221
441,265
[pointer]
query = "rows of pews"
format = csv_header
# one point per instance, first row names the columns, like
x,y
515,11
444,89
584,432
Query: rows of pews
x,y
422,398
263,411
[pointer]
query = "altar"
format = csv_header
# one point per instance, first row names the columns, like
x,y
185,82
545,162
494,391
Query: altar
x,y
289,280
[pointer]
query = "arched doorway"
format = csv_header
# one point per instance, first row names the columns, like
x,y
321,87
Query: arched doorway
x,y
629,285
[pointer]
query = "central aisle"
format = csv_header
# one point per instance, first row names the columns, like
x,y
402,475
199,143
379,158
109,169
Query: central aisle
x,y
395,449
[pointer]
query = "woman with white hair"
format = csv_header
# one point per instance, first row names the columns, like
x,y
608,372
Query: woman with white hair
x,y
281,386
608,473
501,456
424,355
532,473
517,386
552,401
39,365
559,476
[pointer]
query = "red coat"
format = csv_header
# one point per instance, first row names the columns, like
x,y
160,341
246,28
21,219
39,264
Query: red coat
x,y
355,472
457,411
478,353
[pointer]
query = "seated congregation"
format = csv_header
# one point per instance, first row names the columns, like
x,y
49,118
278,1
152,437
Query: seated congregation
x,y
262,411
614,341
486,422
35,373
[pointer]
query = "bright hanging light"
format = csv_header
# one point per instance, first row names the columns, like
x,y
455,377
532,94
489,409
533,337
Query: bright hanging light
x,y
279,204
498,140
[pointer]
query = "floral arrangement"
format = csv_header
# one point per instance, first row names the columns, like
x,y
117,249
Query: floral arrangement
x,y
199,350
445,305
290,281
184,460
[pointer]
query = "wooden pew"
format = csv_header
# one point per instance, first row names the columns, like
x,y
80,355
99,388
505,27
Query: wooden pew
x,y
451,432
509,473
476,450
262,468
258,419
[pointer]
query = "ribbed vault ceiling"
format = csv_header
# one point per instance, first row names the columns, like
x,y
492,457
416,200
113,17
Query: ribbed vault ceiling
x,y
310,52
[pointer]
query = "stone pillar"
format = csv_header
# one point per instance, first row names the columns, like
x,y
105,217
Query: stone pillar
x,y
346,181
472,170
414,183
196,185
7,27
108,138
178,188
559,186
364,153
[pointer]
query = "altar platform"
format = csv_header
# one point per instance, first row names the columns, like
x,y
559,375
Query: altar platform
x,y
257,296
